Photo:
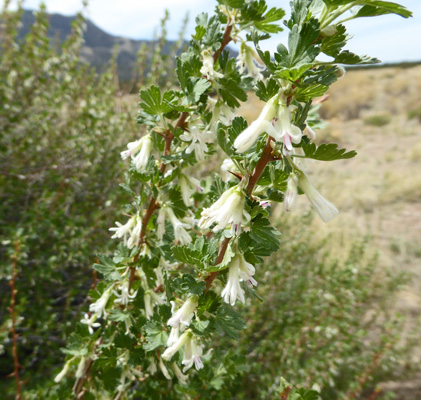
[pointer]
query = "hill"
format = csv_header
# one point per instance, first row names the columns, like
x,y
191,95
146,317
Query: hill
x,y
99,45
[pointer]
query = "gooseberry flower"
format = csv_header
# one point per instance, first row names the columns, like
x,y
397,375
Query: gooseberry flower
x,y
188,186
180,232
143,147
248,59
90,322
208,64
291,192
182,340
239,270
133,227
180,376
248,137
283,130
174,335
150,298
99,306
192,353
229,208
323,207
184,314
197,139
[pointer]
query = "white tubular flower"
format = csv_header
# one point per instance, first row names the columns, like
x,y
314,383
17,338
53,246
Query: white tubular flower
x,y
310,132
64,371
197,139
164,369
99,306
184,314
132,228
135,233
182,340
142,158
150,299
188,186
122,231
160,221
229,208
248,137
283,130
239,270
124,297
180,232
174,335
80,367
90,322
221,112
324,208
207,68
180,376
142,146
248,58
192,353
291,192
265,204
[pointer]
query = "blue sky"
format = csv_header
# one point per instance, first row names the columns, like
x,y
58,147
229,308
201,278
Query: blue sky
x,y
389,38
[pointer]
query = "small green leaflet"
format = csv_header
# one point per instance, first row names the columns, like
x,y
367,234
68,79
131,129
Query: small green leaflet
x,y
266,91
155,336
374,8
326,152
229,321
264,235
107,268
200,253
155,104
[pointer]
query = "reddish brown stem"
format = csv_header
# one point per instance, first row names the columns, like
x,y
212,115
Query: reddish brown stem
x,y
225,40
285,393
13,316
265,158
221,253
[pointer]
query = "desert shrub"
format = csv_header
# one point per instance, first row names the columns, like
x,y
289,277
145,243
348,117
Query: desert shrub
x,y
377,120
322,323
61,126
415,114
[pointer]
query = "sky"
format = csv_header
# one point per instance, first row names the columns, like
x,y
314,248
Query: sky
x,y
390,38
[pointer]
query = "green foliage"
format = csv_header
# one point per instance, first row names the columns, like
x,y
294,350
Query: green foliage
x,y
326,152
377,120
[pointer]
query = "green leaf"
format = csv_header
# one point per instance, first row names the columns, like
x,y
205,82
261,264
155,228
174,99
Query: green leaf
x,y
374,8
189,255
190,286
263,235
347,57
326,152
332,45
231,91
155,336
154,104
266,91
108,268
229,321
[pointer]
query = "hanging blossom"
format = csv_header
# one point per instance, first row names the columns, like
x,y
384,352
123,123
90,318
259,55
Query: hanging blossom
x,y
291,192
143,148
198,139
208,66
124,297
283,130
229,208
180,376
248,137
239,270
180,232
184,314
150,299
220,113
248,59
132,228
99,306
323,207
188,186
192,351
